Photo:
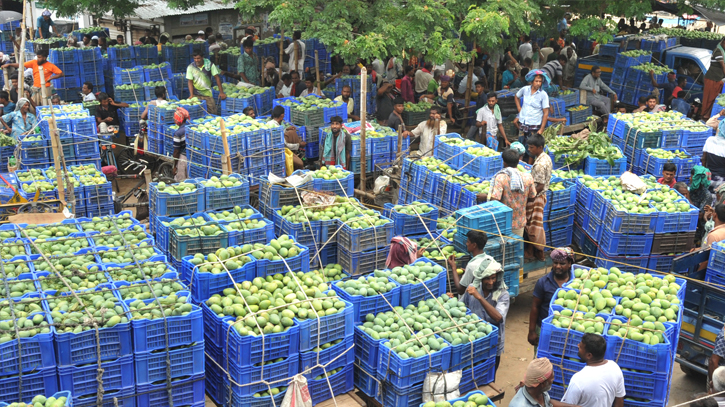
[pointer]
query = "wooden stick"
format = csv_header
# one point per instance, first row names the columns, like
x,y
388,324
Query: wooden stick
x,y
226,159
317,71
468,87
281,52
21,58
32,22
401,129
7,79
363,113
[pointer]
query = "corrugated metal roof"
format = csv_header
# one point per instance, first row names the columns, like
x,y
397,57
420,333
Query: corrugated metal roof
x,y
159,8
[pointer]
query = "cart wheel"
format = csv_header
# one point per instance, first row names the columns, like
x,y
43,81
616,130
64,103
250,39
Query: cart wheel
x,y
35,207
124,156
165,170
690,372
142,212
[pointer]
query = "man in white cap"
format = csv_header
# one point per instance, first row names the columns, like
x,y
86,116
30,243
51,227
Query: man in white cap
x,y
44,23
201,36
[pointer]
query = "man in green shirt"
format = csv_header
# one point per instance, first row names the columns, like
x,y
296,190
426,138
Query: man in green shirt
x,y
248,64
199,74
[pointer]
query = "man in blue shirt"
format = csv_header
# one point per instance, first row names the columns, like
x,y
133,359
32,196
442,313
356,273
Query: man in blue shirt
x,y
44,23
534,111
562,260
564,23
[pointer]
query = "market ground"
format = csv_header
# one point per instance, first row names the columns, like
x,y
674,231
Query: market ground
x,y
519,352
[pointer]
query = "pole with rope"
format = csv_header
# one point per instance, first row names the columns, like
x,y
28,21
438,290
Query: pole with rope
x,y
363,114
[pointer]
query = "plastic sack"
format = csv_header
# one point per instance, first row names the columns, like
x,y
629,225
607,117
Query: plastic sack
x,y
289,161
441,386
632,183
298,394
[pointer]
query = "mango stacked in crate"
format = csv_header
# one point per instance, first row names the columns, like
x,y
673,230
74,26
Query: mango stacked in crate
x,y
381,145
91,69
146,54
178,55
653,160
642,230
324,60
60,399
138,84
256,147
426,332
6,36
354,82
630,77
639,316
275,319
241,97
121,56
437,179
559,212
269,47
161,123
635,132
130,117
339,231
78,137
86,265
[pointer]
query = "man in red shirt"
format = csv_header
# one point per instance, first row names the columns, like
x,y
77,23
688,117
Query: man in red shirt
x,y
668,175
681,82
406,85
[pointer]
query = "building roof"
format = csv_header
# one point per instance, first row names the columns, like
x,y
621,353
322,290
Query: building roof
x,y
160,8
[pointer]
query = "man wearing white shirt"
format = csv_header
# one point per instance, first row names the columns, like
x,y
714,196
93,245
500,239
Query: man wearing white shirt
x,y
600,383
299,65
525,50
87,91
284,87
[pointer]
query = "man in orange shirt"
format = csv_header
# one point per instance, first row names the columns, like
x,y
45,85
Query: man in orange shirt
x,y
50,72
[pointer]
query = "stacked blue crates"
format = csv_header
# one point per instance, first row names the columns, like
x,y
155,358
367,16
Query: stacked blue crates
x,y
559,213
177,55
146,54
91,65
67,60
6,37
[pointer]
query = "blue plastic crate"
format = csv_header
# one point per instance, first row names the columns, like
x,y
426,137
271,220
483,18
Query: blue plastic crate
x,y
34,151
624,222
412,224
187,392
128,75
339,383
44,381
342,353
359,240
204,285
83,380
404,372
482,348
627,264
29,355
491,217
150,335
717,256
370,304
558,219
329,328
301,262
636,355
250,350
596,167
341,187
80,348
366,381
121,52
223,198
162,72
661,263
181,246
362,262
275,374
511,278
151,366
559,237
580,116
164,204
401,396
482,167
482,373
366,349
678,221
615,243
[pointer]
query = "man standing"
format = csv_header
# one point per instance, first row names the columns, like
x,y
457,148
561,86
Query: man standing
x,y
593,84
475,244
422,79
525,50
336,145
248,64
345,97
512,188
199,75
541,173
50,72
406,85
292,140
444,94
563,25
120,39
296,50
562,259
384,99
428,129
571,64
200,36
395,120
668,86
489,117
148,39
534,113
713,79
600,383
44,23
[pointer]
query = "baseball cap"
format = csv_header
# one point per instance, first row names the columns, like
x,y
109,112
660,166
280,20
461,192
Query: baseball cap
x,y
201,32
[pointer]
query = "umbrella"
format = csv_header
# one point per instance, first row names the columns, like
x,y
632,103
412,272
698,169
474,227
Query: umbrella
x,y
8,16
532,74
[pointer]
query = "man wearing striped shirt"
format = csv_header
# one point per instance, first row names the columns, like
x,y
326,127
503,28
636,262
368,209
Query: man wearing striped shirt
x,y
181,116
555,70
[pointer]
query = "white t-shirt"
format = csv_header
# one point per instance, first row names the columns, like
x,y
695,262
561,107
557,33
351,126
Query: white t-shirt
x,y
464,82
300,56
89,97
525,51
595,386
286,90
715,145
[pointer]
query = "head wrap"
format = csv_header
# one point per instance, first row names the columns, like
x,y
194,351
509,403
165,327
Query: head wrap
x,y
720,193
46,12
402,252
700,178
181,115
487,268
538,371
445,78
95,37
21,103
532,74
451,73
561,254
721,129
518,147
201,32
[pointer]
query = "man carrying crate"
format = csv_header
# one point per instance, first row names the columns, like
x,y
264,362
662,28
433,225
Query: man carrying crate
x,y
199,75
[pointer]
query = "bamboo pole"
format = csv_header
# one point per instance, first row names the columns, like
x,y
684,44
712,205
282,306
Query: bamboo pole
x,y
317,72
363,114
21,57
468,87
226,159
401,129
281,51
